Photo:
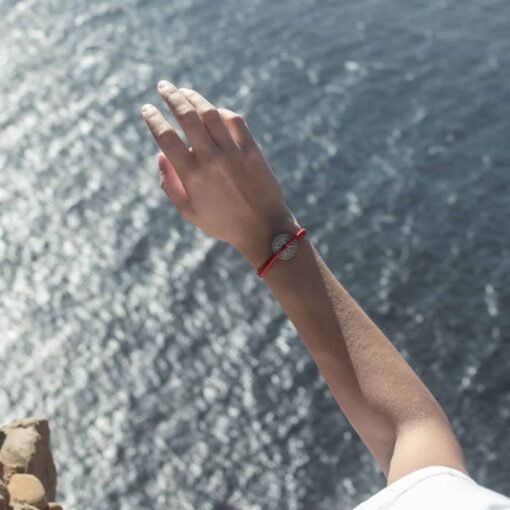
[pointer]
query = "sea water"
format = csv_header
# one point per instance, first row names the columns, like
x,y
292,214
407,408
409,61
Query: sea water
x,y
169,374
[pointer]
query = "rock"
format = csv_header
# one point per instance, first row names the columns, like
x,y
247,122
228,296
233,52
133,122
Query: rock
x,y
26,449
22,506
4,496
25,488
2,439
54,506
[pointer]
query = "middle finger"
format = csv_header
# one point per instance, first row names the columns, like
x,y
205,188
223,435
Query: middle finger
x,y
210,117
187,117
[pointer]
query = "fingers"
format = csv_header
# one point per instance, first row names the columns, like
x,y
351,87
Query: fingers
x,y
167,139
187,117
210,117
172,186
238,128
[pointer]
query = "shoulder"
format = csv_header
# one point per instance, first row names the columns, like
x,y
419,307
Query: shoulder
x,y
438,487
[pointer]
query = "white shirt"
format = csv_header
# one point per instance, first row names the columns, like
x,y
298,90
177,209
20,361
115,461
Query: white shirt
x,y
436,488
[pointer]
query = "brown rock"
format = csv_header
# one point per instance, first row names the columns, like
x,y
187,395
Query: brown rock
x,y
26,449
26,488
4,496
54,506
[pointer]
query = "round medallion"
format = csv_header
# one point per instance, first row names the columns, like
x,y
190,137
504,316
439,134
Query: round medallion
x,y
289,252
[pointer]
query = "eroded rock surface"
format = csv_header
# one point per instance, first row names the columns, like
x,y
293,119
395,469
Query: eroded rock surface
x,y
4,496
25,448
25,488
28,478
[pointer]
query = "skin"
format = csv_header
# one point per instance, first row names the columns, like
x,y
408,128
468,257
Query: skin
x,y
223,185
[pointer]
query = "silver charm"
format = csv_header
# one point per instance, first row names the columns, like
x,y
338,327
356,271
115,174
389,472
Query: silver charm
x,y
289,252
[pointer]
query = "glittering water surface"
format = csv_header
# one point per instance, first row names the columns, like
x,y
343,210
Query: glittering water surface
x,y
171,378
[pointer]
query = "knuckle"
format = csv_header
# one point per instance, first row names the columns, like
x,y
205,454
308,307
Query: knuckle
x,y
169,94
153,114
211,158
238,119
186,114
250,149
210,114
165,132
215,151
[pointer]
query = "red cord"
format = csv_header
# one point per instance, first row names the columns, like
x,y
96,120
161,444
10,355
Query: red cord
x,y
262,270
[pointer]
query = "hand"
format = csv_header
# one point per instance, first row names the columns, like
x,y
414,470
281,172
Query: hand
x,y
221,184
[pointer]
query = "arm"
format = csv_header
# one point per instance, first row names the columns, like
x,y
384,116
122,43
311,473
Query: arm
x,y
224,186
395,415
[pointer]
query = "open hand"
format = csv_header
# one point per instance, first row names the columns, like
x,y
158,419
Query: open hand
x,y
221,184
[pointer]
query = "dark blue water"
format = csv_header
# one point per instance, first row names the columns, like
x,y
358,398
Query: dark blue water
x,y
170,376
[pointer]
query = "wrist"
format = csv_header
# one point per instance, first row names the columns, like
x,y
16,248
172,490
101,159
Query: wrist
x,y
257,247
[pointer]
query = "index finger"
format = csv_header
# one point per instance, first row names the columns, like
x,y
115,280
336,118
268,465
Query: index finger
x,y
167,139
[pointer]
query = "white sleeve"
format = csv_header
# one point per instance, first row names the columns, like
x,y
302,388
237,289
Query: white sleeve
x,y
436,488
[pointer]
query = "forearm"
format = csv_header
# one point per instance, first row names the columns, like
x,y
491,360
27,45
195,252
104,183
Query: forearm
x,y
375,387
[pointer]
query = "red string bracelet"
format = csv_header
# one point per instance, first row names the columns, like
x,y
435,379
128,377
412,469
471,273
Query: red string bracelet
x,y
279,251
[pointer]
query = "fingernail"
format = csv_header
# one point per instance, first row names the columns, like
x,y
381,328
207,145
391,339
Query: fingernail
x,y
163,84
184,90
146,107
